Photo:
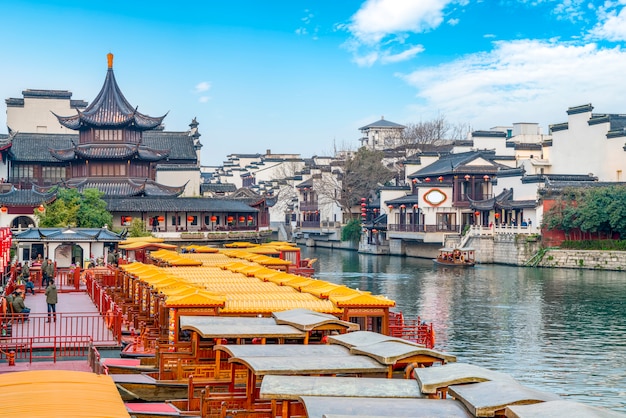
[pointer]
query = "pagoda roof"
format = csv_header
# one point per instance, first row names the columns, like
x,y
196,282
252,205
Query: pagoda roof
x,y
35,147
109,152
110,109
123,187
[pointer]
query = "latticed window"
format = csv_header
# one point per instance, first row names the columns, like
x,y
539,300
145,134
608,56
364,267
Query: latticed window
x,y
52,174
22,172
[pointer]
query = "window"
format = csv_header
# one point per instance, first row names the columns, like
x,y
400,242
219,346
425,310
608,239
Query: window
x,y
107,135
446,221
107,169
52,175
22,172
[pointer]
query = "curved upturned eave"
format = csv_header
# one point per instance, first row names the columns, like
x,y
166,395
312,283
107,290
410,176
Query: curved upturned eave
x,y
110,109
67,154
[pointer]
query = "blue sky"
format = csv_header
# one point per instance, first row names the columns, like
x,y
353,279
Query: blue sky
x,y
302,76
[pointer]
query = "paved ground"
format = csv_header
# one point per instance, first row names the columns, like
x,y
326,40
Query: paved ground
x,y
68,303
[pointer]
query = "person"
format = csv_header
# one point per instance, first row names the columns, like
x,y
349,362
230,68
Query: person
x,y
47,271
530,223
51,300
524,224
26,271
18,305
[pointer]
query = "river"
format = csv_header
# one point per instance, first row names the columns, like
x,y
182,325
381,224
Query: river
x,y
557,330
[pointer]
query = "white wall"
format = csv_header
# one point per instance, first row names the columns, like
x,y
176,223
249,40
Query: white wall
x,y
36,116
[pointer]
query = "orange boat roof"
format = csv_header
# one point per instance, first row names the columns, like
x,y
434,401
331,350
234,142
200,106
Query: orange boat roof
x,y
62,393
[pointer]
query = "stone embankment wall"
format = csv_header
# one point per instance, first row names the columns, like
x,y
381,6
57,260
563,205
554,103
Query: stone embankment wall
x,y
517,250
513,249
578,259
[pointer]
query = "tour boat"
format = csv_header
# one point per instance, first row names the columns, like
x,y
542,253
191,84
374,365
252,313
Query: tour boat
x,y
455,257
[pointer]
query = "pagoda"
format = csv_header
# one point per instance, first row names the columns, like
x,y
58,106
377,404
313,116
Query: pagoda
x,y
110,155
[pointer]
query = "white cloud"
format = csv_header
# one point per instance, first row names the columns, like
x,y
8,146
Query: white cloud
x,y
379,18
202,86
533,80
402,56
453,22
203,99
612,22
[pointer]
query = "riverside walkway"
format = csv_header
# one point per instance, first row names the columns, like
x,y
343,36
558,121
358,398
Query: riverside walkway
x,y
42,345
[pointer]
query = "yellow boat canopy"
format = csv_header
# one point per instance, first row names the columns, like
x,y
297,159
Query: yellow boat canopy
x,y
60,393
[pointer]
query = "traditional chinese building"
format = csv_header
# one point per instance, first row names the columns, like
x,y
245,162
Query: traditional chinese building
x,y
144,171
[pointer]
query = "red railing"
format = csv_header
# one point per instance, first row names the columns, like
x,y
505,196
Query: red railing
x,y
66,325
44,348
413,330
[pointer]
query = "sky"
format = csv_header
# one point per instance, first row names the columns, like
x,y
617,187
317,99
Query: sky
x,y
302,76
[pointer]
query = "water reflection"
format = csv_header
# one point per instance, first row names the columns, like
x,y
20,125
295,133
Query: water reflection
x,y
557,330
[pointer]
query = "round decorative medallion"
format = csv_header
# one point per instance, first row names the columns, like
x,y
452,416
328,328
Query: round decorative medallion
x,y
435,197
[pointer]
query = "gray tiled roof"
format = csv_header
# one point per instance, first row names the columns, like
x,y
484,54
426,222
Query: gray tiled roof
x,y
383,124
110,109
33,147
217,187
16,197
453,163
177,204
68,234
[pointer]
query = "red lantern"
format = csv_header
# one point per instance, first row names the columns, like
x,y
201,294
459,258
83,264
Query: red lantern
x,y
374,231
4,209
41,208
486,177
467,177
497,215
161,218
190,218
230,219
362,199
414,181
440,178
127,218
213,218
477,213
415,206
363,204
242,219
250,218
390,207
427,179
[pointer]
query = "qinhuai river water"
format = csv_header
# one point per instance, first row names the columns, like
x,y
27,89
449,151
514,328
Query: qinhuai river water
x,y
557,330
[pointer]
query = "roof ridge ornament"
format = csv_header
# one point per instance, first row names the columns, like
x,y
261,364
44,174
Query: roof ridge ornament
x,y
110,60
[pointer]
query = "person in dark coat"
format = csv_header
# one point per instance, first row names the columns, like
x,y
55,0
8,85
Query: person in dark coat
x,y
51,300
47,272
19,307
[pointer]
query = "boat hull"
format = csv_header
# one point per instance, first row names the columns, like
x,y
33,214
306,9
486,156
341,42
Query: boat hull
x,y
464,264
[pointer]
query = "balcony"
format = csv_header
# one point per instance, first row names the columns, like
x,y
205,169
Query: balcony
x,y
308,206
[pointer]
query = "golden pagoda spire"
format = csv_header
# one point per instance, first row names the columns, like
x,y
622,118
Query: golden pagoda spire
x,y
110,60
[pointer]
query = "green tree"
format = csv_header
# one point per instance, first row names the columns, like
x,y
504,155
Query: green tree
x,y
351,231
72,208
138,229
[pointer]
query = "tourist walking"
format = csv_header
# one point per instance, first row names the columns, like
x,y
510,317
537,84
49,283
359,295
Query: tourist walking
x,y
51,300
47,271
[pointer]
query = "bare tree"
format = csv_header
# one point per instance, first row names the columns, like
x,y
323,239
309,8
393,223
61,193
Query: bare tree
x,y
433,132
360,175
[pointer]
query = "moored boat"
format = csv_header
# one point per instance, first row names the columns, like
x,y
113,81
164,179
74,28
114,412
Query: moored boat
x,y
456,257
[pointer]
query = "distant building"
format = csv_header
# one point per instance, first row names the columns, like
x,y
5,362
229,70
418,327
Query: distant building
x,y
381,135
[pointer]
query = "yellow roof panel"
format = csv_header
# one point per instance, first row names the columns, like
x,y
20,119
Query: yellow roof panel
x,y
268,306
357,300
198,298
143,239
62,393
